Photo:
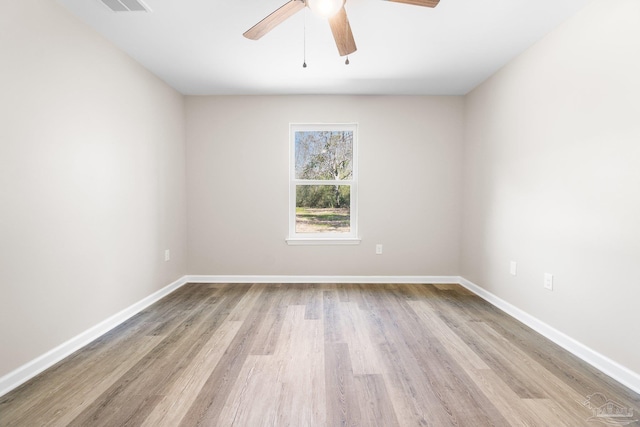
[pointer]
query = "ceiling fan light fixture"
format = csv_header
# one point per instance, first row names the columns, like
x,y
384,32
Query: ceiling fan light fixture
x,y
325,8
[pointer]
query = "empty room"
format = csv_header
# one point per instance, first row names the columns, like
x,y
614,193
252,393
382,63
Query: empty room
x,y
319,213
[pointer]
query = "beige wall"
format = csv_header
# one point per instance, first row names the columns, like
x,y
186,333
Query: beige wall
x,y
91,180
552,180
409,199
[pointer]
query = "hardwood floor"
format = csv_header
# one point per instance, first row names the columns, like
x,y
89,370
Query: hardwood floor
x,y
318,355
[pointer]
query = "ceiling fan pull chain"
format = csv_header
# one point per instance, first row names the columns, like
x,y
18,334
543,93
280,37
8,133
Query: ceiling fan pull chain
x,y
346,31
304,41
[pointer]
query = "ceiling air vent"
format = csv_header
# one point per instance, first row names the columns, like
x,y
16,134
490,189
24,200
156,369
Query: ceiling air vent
x,y
126,5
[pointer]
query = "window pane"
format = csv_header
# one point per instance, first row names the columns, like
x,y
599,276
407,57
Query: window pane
x,y
324,155
323,209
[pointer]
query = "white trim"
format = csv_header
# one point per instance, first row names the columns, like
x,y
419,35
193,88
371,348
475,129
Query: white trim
x,y
324,279
615,370
31,369
299,241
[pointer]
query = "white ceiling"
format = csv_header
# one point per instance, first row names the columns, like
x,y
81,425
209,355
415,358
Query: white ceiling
x,y
197,46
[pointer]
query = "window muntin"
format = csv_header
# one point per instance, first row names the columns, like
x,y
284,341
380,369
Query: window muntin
x,y
323,182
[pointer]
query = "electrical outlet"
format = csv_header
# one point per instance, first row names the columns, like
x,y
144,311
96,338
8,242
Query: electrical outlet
x,y
167,255
513,269
548,281
378,249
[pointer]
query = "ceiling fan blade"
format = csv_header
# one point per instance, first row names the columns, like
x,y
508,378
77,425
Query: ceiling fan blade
x,y
342,33
426,3
274,19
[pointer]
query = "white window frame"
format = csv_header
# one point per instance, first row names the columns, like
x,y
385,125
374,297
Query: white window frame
x,y
350,238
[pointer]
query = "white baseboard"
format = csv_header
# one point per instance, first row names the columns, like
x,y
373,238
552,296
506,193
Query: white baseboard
x,y
26,372
324,279
616,371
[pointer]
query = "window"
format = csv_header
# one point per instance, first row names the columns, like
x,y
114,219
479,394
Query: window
x,y
323,182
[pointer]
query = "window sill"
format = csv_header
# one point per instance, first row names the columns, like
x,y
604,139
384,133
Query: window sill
x,y
297,241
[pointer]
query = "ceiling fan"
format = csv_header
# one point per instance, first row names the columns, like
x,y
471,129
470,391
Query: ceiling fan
x,y
333,10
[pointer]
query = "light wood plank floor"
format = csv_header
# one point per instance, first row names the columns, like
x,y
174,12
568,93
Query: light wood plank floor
x,y
317,355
